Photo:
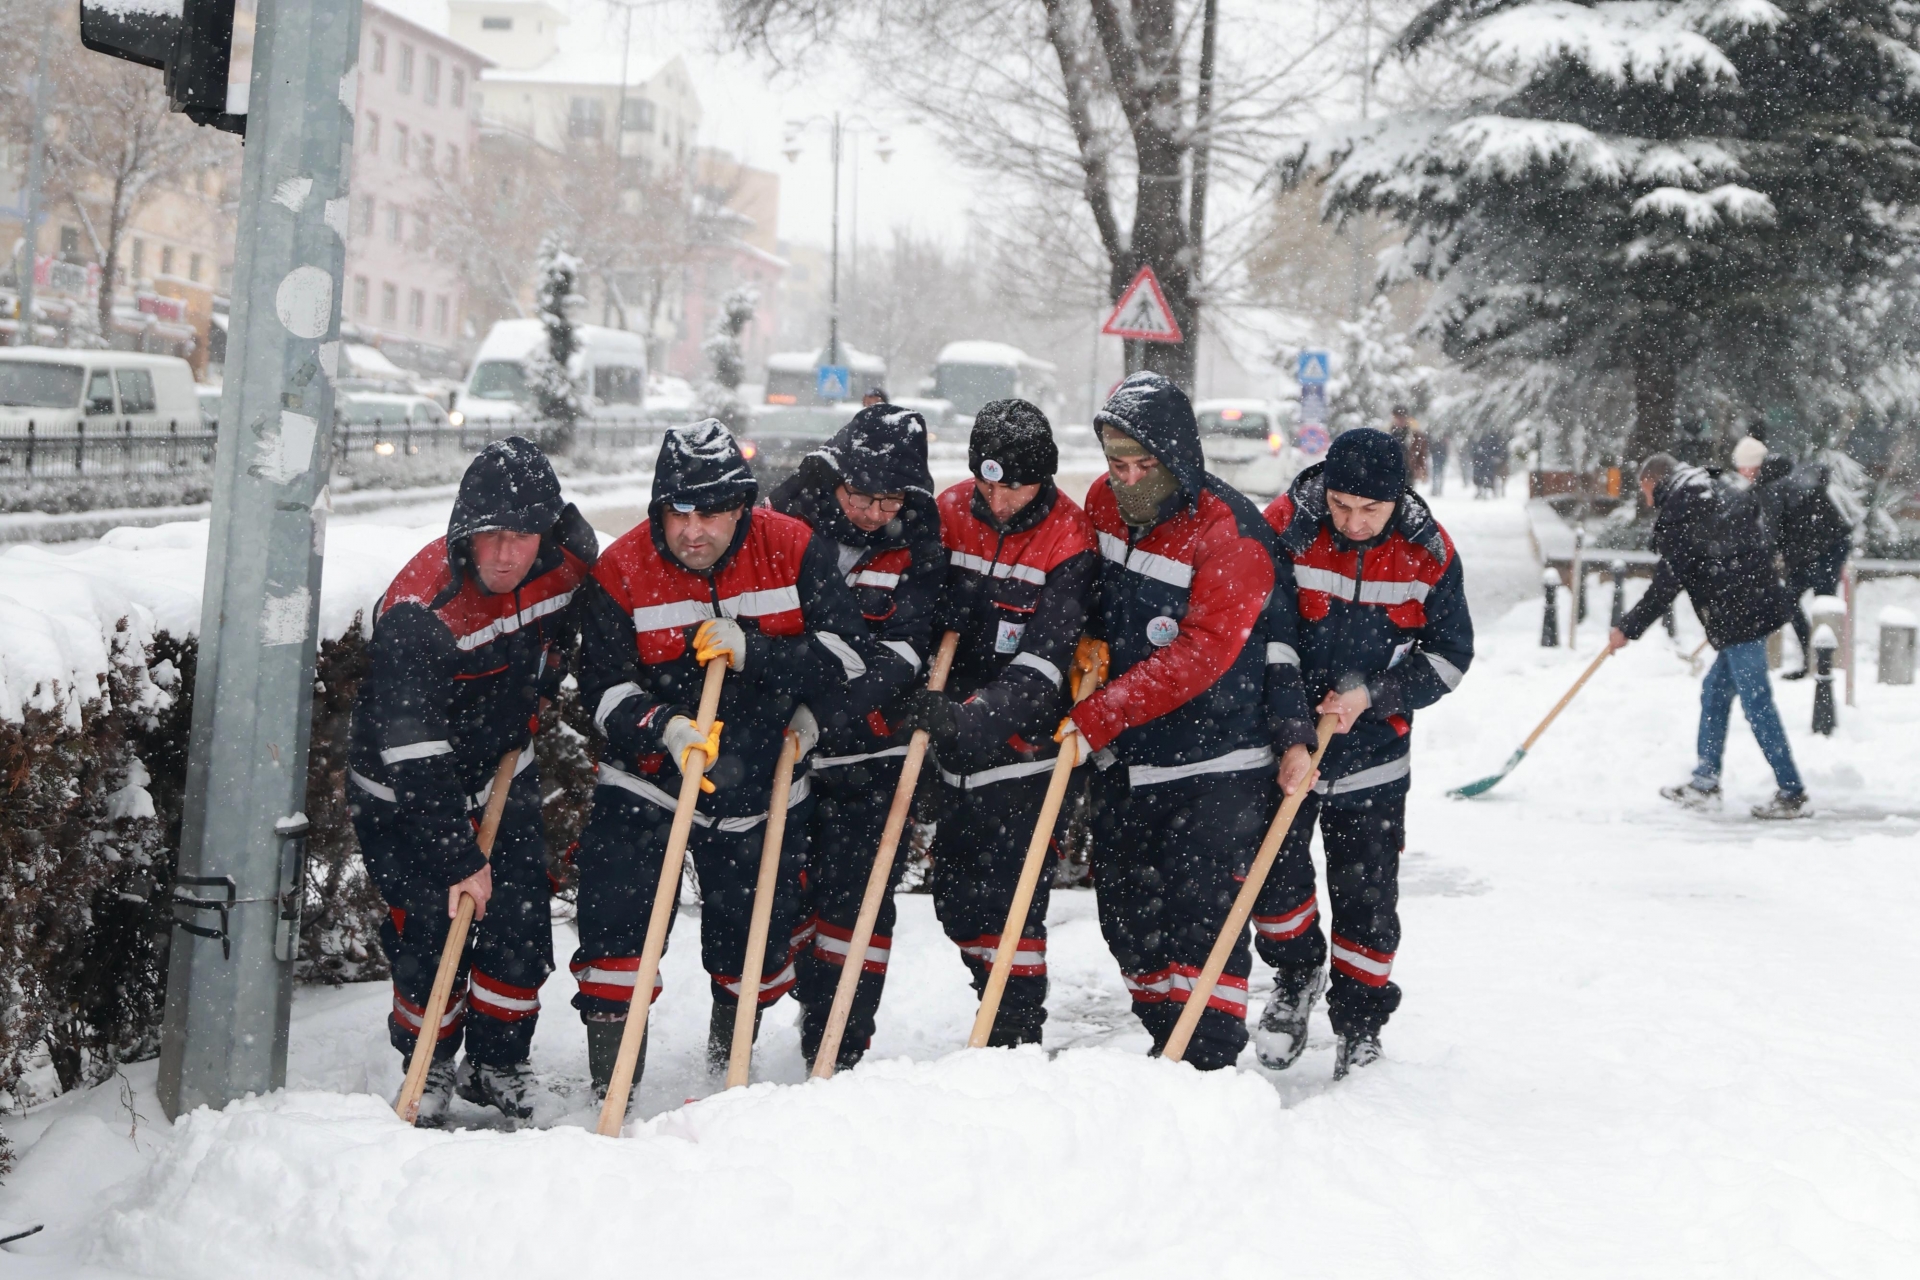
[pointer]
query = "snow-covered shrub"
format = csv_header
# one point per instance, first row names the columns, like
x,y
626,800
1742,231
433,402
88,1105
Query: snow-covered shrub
x,y
1374,369
549,372
720,394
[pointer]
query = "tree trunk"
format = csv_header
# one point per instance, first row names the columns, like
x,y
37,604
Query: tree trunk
x,y
1654,393
1160,238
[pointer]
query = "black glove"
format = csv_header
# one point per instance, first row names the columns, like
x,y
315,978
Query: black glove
x,y
931,711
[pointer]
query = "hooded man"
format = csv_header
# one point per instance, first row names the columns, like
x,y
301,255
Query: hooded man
x,y
707,576
1021,561
1384,631
466,647
867,493
1811,535
1196,621
1714,545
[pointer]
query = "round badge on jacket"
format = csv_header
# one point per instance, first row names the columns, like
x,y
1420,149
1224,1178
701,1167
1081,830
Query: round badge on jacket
x,y
1162,631
991,471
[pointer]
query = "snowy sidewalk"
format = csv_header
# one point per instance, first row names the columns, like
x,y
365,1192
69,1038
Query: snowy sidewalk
x,y
1635,1041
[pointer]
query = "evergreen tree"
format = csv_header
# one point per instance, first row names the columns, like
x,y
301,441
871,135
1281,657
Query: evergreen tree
x,y
1374,369
1659,211
556,397
720,394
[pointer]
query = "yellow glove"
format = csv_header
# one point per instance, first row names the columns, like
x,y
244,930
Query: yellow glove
x,y
716,636
683,736
1090,655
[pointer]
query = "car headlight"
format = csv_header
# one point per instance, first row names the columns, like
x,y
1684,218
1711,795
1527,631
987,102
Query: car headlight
x,y
384,448
457,418
749,450
1276,441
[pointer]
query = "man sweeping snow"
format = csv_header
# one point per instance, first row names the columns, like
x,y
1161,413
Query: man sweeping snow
x,y
706,576
1714,545
1186,781
1384,631
868,494
1021,565
467,643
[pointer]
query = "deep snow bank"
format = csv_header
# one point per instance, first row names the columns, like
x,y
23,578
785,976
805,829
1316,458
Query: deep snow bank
x,y
980,1163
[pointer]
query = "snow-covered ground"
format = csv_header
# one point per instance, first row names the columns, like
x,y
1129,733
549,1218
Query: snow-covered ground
x,y
1635,1041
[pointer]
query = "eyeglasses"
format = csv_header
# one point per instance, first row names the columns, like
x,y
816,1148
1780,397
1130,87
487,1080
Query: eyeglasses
x,y
888,503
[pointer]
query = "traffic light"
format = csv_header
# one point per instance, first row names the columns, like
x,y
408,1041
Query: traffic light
x,y
193,47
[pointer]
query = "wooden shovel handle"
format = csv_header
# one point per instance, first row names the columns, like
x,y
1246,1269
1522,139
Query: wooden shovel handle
x,y
1242,910
613,1113
876,891
740,1062
408,1104
1565,698
1030,870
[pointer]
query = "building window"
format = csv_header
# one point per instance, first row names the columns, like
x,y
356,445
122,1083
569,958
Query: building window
x,y
389,303
193,268
139,258
69,243
366,215
636,115
426,153
360,296
406,68
379,55
373,134
166,260
416,309
440,314
496,24
430,91
453,162
584,118
401,143
457,88
420,231
393,223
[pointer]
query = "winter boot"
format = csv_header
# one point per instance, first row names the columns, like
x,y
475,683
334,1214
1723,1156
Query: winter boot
x,y
507,1089
1282,1033
1689,795
1801,674
1784,807
436,1097
846,1060
1361,1049
720,1036
603,1050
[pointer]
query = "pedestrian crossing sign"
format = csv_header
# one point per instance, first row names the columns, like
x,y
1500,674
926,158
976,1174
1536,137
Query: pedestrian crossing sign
x,y
1142,312
833,382
1312,366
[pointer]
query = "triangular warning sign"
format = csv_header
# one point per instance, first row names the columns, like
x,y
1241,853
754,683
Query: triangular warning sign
x,y
1142,312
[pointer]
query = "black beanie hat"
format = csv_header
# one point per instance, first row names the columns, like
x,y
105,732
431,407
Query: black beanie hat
x,y
1367,463
1012,443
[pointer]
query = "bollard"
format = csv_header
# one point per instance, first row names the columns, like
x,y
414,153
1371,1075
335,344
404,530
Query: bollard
x,y
1550,618
1619,571
1824,643
1897,633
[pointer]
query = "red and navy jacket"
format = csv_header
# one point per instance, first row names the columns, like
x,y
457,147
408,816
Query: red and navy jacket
x,y
1391,613
454,679
806,642
1018,594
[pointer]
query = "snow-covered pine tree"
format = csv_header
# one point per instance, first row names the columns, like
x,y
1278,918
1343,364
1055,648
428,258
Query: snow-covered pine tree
x,y
556,397
720,394
1374,369
1652,193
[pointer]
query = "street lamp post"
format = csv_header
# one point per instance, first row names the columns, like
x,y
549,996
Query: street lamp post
x,y
837,128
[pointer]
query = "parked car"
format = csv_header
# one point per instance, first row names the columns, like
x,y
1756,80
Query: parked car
x,y
610,370
209,396
781,435
1248,444
395,420
61,390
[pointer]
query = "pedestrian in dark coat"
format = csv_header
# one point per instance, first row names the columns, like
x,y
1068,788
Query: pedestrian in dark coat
x,y
1809,532
1714,545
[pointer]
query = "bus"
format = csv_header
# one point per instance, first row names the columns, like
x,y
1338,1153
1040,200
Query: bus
x,y
970,374
792,378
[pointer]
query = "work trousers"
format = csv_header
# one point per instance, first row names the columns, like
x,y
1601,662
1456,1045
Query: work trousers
x,y
1741,669
496,993
1168,860
1363,833
619,859
843,836
1822,577
977,855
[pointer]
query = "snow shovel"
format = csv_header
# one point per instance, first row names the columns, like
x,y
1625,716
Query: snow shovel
x,y
407,1107
1029,880
1487,784
1236,925
1694,665
828,1053
613,1113
740,1062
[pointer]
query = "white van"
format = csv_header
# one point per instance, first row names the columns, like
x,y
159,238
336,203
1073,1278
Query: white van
x,y
57,389
971,374
610,369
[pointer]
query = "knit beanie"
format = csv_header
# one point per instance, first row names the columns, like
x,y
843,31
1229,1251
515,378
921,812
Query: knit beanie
x,y
1012,443
1749,453
1367,463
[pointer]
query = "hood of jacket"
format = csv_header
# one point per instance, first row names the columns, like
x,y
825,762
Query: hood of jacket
x,y
1775,467
511,486
1412,518
882,450
1152,410
701,465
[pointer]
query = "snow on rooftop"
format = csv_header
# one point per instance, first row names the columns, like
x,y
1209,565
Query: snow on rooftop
x,y
590,49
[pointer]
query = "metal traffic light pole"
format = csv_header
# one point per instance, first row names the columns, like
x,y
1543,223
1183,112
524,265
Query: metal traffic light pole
x,y
236,901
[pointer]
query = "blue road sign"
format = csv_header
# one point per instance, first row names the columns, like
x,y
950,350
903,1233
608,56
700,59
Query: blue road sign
x,y
1313,367
833,382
